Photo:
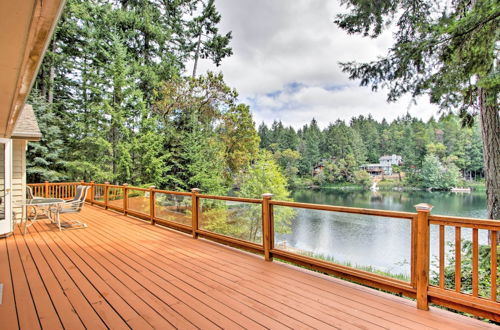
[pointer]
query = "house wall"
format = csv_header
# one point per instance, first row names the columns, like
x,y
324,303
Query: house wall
x,y
18,175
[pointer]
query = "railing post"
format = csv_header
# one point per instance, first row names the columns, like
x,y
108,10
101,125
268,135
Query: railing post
x,y
92,192
152,204
195,211
125,198
267,226
106,194
422,255
47,189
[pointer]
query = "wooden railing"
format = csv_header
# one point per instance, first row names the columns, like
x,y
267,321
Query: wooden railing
x,y
186,211
64,190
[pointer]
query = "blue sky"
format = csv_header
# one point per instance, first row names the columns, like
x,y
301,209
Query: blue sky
x,y
285,63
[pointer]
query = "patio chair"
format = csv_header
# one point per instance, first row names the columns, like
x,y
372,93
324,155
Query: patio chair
x,y
71,206
29,193
30,210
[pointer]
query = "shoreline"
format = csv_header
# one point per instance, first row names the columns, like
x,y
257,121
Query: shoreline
x,y
479,186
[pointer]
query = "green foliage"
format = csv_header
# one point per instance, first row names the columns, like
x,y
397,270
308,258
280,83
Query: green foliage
x,y
100,78
437,176
242,220
265,176
204,39
239,137
204,156
449,52
288,160
343,148
484,270
200,149
309,147
437,49
45,159
362,178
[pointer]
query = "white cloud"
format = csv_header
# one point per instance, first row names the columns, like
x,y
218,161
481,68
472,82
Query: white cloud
x,y
299,107
281,42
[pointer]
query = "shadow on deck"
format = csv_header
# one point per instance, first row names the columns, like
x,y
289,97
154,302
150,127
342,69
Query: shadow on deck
x,y
124,273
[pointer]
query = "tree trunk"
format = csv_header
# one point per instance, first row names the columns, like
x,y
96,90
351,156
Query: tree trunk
x,y
43,84
197,55
490,130
52,74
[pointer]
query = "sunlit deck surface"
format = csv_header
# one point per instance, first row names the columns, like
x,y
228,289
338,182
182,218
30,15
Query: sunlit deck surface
x,y
124,273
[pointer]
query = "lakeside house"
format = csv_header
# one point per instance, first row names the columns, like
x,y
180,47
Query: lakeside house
x,y
384,166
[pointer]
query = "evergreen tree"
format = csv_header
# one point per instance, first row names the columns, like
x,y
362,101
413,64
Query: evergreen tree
x,y
448,52
264,135
206,41
310,148
45,158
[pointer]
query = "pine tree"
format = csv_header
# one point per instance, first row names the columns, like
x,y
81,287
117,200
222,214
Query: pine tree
x,y
45,158
206,41
447,52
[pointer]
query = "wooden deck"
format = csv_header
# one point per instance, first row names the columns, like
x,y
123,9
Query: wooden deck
x,y
124,273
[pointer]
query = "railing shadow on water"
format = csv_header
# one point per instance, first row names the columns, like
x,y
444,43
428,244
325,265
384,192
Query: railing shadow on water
x,y
461,273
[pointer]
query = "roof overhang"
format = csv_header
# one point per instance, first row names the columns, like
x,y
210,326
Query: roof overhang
x,y
26,28
27,126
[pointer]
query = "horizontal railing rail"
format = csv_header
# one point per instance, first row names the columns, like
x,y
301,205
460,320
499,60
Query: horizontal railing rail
x,y
193,213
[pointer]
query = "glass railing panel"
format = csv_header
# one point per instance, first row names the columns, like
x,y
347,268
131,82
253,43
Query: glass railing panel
x,y
115,197
239,220
99,193
376,244
138,201
174,208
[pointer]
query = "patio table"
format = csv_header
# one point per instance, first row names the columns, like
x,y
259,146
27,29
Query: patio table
x,y
45,205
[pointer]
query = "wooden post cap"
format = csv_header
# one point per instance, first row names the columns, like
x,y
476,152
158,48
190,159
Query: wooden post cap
x,y
195,190
423,207
267,195
152,187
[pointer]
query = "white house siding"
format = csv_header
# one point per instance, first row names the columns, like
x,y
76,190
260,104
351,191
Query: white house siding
x,y
18,175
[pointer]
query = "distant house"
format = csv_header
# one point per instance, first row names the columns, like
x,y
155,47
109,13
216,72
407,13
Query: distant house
x,y
373,169
384,167
318,169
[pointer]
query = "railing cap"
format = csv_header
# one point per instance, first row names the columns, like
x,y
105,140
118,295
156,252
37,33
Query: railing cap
x,y
195,190
267,196
423,207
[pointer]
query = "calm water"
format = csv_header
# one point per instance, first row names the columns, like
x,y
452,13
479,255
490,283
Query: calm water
x,y
382,243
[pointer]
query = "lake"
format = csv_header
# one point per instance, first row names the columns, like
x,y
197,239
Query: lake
x,y
369,241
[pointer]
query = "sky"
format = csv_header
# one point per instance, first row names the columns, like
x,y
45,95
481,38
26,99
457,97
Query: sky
x,y
285,64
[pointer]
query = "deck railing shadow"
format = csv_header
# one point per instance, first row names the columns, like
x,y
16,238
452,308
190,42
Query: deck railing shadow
x,y
249,224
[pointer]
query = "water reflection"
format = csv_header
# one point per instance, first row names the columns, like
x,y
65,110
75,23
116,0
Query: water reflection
x,y
360,240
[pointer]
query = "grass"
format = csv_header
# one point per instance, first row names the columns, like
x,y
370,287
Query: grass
x,y
369,269
475,185
343,186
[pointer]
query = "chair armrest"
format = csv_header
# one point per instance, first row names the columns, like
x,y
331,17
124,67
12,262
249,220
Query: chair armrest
x,y
65,205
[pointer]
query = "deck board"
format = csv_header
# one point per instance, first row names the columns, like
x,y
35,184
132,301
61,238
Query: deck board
x,y
121,273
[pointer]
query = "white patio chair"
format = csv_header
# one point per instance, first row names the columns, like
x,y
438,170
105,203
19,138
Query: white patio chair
x,y
71,206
